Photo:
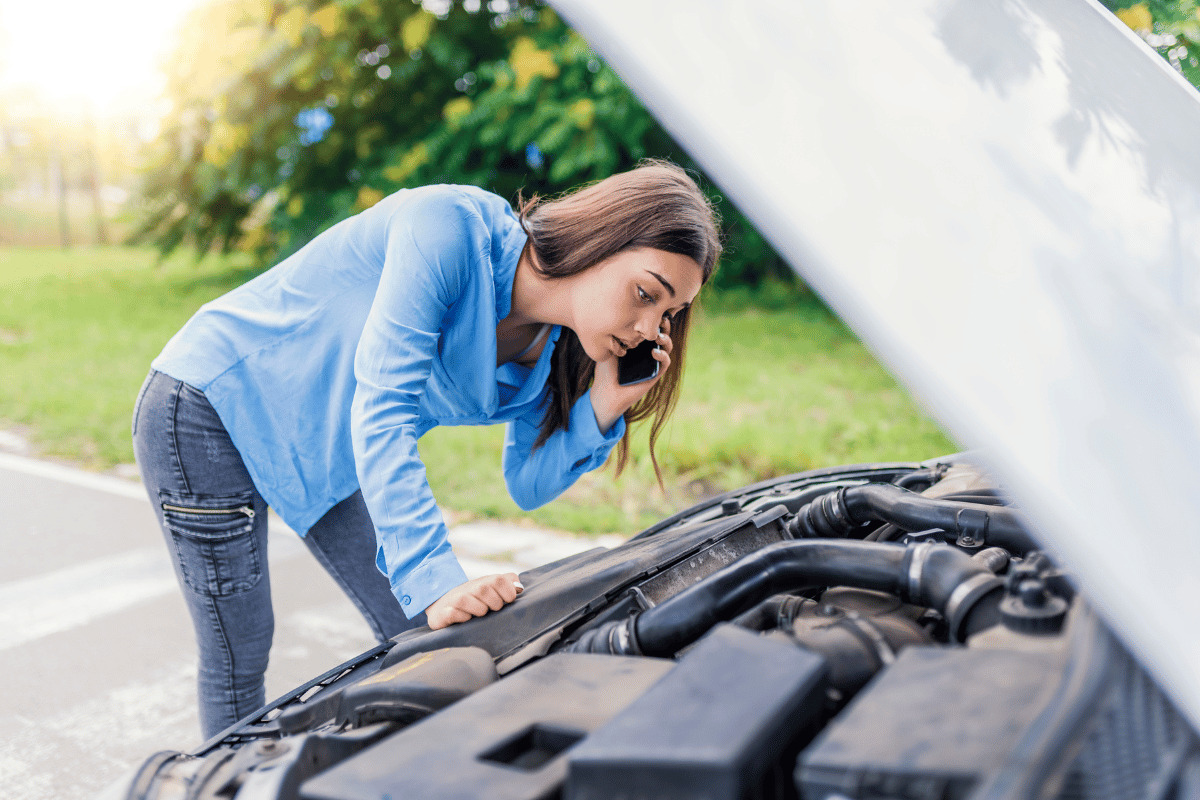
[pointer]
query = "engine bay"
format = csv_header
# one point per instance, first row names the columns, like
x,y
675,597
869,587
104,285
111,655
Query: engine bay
x,y
873,631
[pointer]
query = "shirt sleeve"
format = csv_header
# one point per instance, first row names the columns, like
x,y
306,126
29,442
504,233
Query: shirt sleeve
x,y
535,477
429,246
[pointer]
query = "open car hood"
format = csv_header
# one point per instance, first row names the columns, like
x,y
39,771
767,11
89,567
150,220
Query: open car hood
x,y
1002,198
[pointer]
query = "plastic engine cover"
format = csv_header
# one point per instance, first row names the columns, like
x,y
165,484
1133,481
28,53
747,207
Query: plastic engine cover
x,y
505,742
935,724
736,707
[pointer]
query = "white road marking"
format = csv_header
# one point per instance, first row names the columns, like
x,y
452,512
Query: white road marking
x,y
64,599
139,715
21,781
67,598
71,752
46,604
528,546
73,476
91,743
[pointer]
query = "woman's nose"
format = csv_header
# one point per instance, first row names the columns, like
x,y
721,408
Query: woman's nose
x,y
647,327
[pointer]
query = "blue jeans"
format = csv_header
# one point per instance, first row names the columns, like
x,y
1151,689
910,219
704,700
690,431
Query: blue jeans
x,y
215,525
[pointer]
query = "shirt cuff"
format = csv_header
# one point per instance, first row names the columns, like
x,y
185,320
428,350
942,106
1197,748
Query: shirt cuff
x,y
584,415
432,578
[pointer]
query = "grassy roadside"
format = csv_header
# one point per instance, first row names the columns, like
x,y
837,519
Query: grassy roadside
x,y
766,392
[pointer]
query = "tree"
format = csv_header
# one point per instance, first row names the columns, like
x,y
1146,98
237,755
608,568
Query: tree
x,y
1172,27
307,113
292,115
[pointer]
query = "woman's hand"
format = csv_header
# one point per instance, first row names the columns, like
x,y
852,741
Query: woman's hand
x,y
473,599
610,399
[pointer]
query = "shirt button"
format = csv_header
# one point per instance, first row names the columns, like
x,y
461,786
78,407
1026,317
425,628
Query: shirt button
x,y
405,600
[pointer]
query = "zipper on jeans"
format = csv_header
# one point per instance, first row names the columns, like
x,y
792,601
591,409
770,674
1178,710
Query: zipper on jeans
x,y
247,510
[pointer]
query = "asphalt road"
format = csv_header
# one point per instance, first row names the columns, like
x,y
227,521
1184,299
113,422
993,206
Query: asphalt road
x,y
96,651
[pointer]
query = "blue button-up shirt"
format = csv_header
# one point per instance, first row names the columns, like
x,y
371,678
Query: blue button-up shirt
x,y
328,368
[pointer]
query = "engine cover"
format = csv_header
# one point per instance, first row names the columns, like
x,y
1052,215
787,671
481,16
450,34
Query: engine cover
x,y
505,742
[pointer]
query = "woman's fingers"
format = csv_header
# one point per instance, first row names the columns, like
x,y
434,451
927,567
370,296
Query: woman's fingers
x,y
507,586
664,358
454,615
473,599
489,596
440,615
472,604
664,340
665,343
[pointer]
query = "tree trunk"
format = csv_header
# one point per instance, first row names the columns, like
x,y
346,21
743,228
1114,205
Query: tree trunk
x,y
97,203
64,228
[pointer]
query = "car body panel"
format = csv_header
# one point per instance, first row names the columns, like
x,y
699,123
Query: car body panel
x,y
1002,198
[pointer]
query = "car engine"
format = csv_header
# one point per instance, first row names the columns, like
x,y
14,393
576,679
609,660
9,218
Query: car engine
x,y
873,631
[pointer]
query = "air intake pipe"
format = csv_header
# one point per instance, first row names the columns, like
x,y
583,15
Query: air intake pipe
x,y
926,574
836,514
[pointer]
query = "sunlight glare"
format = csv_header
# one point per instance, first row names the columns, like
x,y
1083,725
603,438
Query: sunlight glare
x,y
88,58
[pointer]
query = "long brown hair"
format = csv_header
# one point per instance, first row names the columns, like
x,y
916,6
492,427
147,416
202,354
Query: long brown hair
x,y
656,205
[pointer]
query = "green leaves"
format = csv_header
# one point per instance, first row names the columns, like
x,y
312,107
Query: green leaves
x,y
1172,27
515,101
550,104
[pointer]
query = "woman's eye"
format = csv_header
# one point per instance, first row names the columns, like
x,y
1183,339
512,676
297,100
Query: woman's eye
x,y
645,298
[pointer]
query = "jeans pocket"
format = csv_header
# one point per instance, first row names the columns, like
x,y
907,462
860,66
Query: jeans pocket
x,y
215,540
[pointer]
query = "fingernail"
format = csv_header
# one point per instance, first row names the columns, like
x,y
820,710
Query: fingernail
x,y
520,586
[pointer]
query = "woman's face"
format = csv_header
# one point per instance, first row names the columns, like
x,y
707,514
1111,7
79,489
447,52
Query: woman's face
x,y
619,302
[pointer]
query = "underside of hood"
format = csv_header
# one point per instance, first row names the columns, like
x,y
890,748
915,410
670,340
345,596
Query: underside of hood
x,y
1015,181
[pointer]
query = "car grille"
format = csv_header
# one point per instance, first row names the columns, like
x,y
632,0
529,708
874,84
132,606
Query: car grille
x,y
1136,745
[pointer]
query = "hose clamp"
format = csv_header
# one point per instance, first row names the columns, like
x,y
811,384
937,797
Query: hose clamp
x,y
623,640
837,504
916,565
963,599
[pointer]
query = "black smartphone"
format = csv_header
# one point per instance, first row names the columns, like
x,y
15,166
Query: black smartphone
x,y
637,365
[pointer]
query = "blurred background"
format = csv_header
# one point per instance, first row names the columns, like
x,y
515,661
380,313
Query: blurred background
x,y
156,153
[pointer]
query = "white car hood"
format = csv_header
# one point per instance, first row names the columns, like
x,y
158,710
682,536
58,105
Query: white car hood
x,y
1002,198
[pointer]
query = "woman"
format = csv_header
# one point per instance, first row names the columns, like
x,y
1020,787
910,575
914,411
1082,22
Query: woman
x,y
307,388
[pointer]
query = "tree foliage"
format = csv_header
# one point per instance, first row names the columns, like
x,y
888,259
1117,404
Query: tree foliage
x,y
1172,27
290,117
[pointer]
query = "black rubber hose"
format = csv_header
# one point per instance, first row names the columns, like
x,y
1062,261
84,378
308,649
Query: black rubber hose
x,y
994,558
838,513
774,612
920,477
613,638
936,576
984,497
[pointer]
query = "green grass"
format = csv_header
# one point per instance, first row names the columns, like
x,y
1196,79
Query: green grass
x,y
766,392
78,329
